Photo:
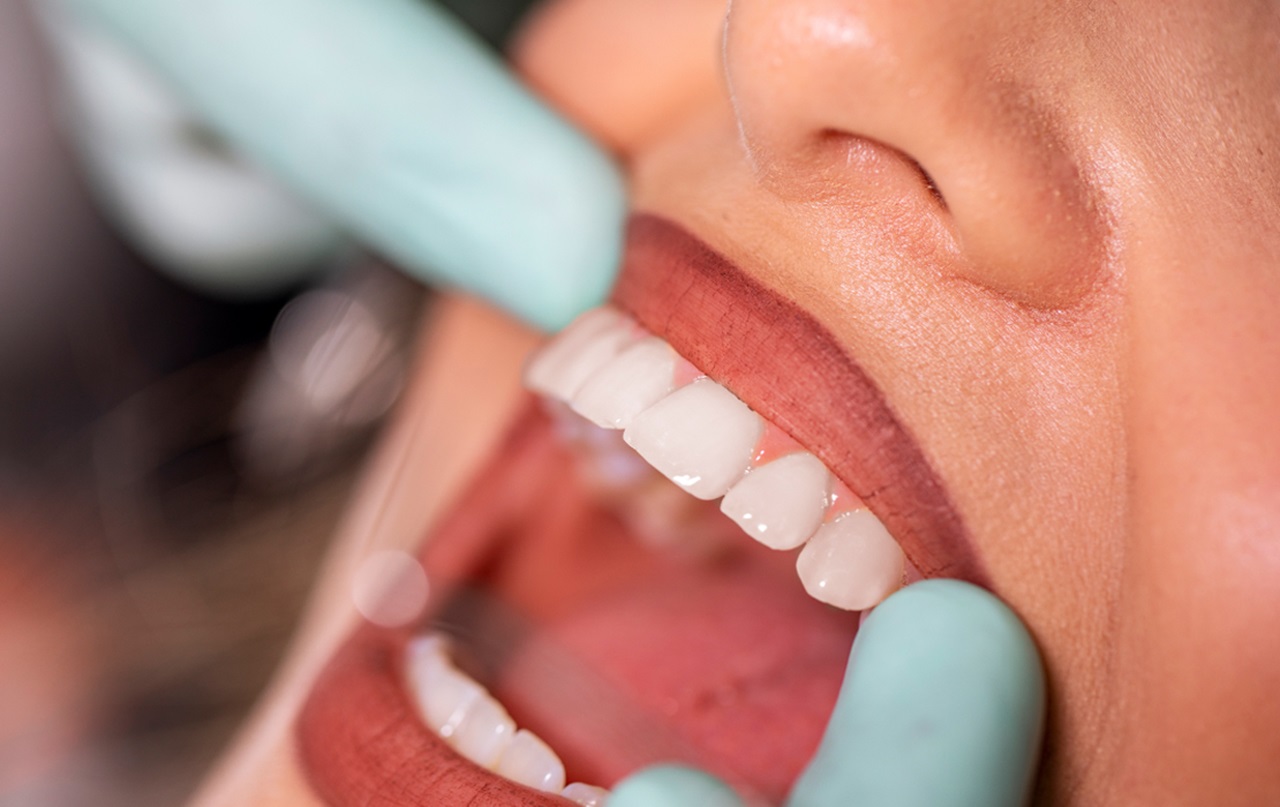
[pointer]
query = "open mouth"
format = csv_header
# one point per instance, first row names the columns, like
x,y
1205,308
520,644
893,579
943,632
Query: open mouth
x,y
591,614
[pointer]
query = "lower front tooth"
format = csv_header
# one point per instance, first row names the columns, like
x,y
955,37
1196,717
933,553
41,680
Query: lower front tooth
x,y
781,503
852,563
456,707
529,761
484,733
585,795
444,693
700,436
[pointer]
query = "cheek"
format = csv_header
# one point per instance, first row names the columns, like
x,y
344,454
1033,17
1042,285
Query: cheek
x,y
624,70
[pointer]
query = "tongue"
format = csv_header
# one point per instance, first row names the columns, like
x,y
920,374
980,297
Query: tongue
x,y
635,656
722,668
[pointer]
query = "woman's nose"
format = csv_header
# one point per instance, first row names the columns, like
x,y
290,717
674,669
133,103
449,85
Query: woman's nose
x,y
970,102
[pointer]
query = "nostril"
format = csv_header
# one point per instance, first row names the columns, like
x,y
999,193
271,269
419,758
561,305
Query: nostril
x,y
868,159
930,184
946,133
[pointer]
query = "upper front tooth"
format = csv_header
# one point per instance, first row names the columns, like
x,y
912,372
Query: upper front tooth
x,y
560,368
781,503
627,384
851,563
700,436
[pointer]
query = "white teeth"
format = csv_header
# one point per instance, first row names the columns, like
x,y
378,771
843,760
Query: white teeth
x,y
781,503
626,385
528,761
560,368
585,795
851,563
470,720
701,437
484,734
444,692
456,707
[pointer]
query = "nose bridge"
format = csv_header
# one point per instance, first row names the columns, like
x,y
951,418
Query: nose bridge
x,y
970,91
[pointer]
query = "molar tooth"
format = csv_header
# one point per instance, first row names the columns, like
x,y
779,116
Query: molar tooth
x,y
529,761
561,367
585,795
851,563
781,503
700,436
635,379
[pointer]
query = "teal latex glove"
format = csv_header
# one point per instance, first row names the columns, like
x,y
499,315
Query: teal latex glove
x,y
942,706
396,121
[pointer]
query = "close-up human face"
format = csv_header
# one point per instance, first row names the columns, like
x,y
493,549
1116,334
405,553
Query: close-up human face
x,y
1007,270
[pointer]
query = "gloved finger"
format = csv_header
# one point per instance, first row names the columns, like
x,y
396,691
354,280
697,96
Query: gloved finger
x,y
942,706
673,786
391,116
192,208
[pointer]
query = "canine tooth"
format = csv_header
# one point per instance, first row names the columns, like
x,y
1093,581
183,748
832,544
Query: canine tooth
x,y
781,503
561,367
700,436
529,761
851,563
585,795
635,379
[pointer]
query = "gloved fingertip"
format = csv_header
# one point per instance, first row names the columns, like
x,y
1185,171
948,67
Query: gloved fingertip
x,y
942,705
672,786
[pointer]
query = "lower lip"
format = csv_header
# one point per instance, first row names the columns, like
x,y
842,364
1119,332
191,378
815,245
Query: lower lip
x,y
360,740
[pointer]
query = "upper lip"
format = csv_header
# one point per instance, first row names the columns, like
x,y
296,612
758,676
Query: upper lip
x,y
785,365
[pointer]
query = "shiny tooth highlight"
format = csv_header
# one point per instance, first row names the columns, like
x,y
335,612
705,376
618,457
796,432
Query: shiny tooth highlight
x,y
852,562
585,795
701,437
529,761
634,380
577,352
781,503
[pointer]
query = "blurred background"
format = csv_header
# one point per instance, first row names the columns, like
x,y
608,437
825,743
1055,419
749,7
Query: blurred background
x,y
173,456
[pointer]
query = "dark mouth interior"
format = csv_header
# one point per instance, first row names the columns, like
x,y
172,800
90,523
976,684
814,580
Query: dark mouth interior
x,y
621,654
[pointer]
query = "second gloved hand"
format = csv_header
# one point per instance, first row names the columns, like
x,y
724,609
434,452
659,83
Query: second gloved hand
x,y
396,122
942,706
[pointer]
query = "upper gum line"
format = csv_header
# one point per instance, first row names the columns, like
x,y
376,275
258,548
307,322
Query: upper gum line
x,y
612,371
